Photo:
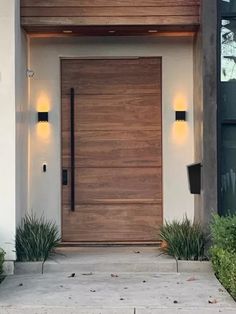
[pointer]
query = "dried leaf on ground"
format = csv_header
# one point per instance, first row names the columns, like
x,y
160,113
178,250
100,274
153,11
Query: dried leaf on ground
x,y
72,275
114,275
212,301
88,274
191,279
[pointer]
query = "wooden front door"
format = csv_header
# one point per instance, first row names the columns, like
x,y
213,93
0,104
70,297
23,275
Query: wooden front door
x,y
111,124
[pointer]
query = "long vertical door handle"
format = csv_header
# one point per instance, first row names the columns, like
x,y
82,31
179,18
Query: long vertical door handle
x,y
72,148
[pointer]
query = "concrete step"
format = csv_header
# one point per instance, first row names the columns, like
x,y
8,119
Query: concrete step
x,y
110,259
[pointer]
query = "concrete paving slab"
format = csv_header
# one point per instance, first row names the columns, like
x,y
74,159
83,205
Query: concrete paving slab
x,y
28,268
90,310
185,311
147,293
66,310
194,266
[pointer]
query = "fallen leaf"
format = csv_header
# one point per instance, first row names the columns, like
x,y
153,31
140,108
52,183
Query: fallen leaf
x,y
213,301
164,245
72,275
88,274
191,279
114,276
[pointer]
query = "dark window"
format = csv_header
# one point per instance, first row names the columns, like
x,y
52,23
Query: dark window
x,y
227,106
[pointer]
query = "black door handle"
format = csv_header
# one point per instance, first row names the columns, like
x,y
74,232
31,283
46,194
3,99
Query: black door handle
x,y
72,149
64,177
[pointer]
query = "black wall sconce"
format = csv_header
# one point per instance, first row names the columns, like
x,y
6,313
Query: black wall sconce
x,y
180,115
43,116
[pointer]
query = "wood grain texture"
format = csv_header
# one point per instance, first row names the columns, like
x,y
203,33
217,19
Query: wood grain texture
x,y
113,149
118,151
113,112
116,185
112,223
109,20
53,13
109,11
113,3
110,77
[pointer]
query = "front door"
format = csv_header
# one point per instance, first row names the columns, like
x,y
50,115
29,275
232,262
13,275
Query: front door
x,y
111,150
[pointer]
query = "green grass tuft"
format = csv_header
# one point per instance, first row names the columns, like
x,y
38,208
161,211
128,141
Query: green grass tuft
x,y
2,255
35,239
183,240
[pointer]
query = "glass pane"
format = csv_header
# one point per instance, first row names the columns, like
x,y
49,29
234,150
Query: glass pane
x,y
228,6
228,50
228,169
228,100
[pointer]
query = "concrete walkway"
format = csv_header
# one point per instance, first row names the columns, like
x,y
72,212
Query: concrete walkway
x,y
130,280
120,293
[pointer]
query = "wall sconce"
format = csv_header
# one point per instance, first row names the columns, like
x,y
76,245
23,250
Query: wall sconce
x,y
43,116
180,115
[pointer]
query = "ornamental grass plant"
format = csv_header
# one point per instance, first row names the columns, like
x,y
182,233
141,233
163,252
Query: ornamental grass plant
x,y
2,255
35,239
184,240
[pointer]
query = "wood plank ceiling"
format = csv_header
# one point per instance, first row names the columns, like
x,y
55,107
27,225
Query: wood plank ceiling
x,y
109,17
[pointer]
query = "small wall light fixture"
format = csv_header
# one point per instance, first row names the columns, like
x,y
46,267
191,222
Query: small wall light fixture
x,y
43,116
180,115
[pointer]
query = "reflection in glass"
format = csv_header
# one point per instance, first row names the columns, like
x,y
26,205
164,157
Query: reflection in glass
x,y
228,50
228,100
228,6
228,169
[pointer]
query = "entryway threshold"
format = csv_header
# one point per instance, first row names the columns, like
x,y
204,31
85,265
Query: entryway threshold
x,y
91,260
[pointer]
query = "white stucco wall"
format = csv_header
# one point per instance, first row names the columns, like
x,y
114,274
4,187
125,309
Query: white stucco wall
x,y
22,130
177,92
7,127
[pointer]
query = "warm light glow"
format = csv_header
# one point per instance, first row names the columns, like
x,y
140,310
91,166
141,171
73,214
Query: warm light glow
x,y
43,103
180,102
180,132
43,131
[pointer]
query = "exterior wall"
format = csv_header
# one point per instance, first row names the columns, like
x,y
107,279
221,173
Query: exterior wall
x,y
13,126
21,120
198,116
206,111
7,127
177,54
